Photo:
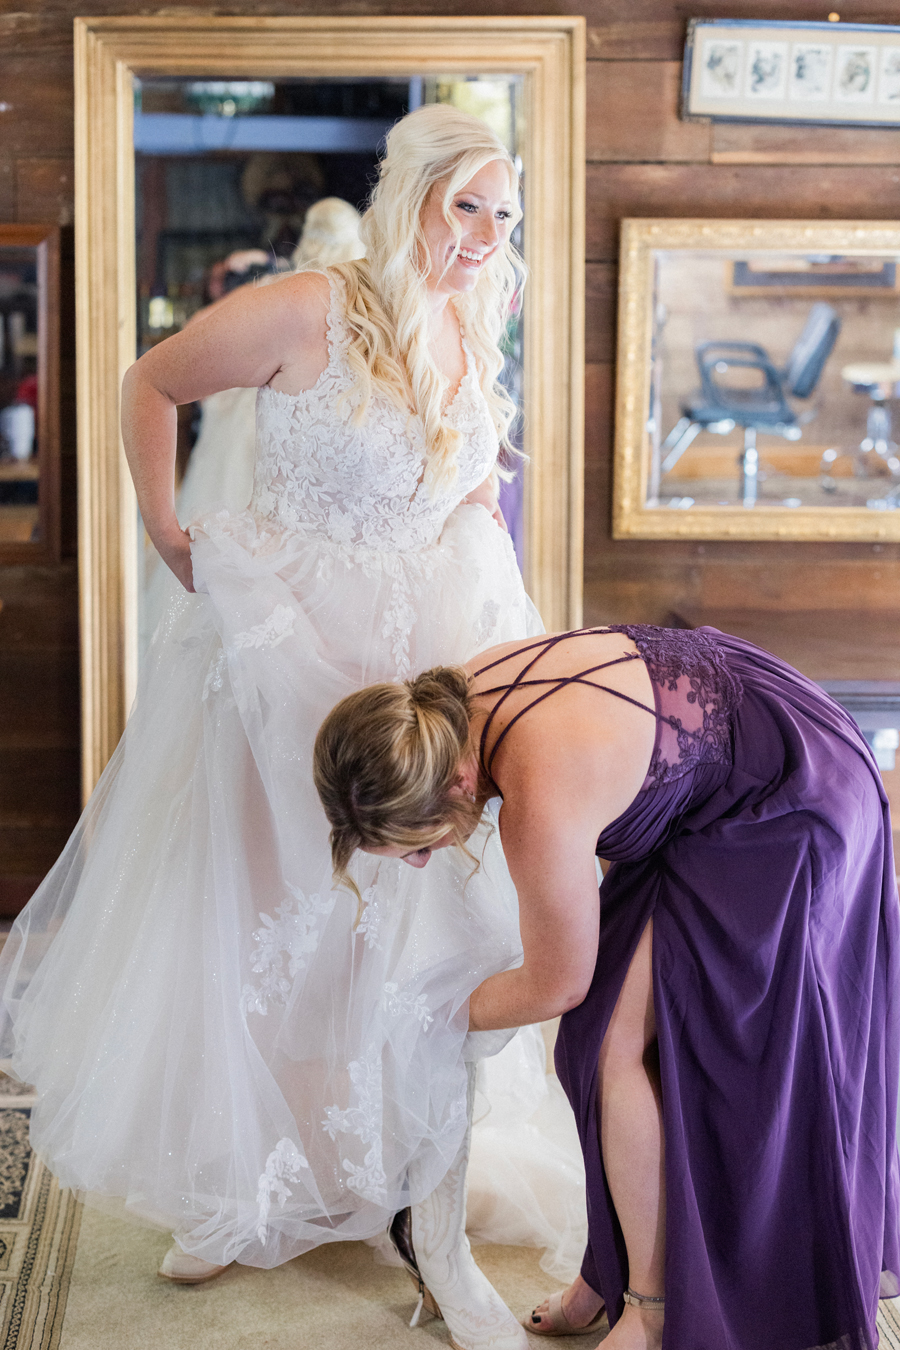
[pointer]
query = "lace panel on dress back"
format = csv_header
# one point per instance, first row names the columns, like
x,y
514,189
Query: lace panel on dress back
x,y
698,697
361,486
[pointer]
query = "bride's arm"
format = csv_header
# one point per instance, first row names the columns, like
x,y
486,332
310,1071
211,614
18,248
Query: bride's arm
x,y
245,342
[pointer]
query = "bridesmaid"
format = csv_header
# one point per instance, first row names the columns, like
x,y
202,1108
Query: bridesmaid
x,y
730,1040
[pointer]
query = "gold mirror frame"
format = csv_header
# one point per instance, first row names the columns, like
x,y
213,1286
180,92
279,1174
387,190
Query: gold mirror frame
x,y
548,52
632,517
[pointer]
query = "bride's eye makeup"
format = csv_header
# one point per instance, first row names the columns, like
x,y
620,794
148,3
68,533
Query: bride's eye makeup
x,y
470,208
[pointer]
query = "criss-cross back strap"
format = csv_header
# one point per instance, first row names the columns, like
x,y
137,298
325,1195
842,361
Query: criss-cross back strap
x,y
558,682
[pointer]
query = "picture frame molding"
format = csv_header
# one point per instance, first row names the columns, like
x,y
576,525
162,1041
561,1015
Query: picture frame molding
x,y
632,517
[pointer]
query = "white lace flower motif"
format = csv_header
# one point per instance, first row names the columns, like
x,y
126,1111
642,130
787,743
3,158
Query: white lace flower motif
x,y
278,626
292,934
364,1120
372,915
284,1162
215,676
341,526
397,1004
486,623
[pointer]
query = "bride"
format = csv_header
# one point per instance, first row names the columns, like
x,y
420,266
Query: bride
x,y
243,1053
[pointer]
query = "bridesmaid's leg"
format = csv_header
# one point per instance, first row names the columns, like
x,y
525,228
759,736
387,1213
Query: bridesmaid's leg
x,y
632,1144
631,1141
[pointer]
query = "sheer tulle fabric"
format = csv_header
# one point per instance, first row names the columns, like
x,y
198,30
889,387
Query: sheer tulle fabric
x,y
213,1035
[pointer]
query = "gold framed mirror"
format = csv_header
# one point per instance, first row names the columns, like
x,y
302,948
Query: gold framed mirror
x,y
757,364
110,55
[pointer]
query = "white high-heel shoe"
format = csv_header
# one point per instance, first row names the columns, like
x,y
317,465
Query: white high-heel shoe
x,y
182,1268
440,1260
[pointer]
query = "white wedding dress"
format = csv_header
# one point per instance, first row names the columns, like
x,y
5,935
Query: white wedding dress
x,y
213,1035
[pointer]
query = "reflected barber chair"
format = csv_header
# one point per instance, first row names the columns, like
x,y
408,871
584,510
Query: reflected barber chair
x,y
720,406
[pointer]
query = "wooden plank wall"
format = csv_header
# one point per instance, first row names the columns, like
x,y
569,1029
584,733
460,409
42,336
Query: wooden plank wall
x,y
641,160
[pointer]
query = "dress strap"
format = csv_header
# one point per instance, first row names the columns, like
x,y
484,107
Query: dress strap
x,y
520,682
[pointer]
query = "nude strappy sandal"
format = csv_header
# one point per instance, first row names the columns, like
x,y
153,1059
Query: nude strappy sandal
x,y
560,1324
645,1302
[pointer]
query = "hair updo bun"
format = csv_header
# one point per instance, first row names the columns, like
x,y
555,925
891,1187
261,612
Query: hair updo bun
x,y
442,694
386,760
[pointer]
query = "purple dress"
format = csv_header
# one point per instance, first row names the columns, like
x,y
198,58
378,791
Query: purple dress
x,y
760,846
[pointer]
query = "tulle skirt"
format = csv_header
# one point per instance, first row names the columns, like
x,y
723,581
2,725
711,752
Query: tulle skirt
x,y
216,1035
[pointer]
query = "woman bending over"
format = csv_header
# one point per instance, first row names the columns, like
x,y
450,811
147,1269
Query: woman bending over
x,y
729,1042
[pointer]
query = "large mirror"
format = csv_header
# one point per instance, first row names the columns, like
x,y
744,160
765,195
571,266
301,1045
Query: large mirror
x,y
203,143
29,393
759,363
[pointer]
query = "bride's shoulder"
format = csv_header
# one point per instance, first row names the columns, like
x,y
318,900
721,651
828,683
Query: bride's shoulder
x,y
304,289
296,306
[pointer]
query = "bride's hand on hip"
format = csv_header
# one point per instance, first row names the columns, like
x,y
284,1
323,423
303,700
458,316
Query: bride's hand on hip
x,y
175,552
486,495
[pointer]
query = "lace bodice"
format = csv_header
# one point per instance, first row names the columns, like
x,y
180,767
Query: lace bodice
x,y
361,486
696,696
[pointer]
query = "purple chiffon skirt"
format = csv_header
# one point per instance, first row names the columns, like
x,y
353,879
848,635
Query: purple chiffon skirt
x,y
760,847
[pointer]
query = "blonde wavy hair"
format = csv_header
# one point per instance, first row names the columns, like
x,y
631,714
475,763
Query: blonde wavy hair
x,y
436,146
385,762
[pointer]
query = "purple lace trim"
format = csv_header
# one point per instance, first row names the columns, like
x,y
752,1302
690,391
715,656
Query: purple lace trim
x,y
675,654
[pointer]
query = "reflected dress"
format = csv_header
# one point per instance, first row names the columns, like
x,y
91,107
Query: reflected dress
x,y
760,846
215,1035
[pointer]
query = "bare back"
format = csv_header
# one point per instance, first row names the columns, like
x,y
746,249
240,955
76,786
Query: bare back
x,y
573,710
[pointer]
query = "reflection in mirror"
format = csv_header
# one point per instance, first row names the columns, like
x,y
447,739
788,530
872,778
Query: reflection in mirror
x,y
28,393
239,181
773,375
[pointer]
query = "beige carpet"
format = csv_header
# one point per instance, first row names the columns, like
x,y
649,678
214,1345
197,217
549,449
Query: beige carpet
x,y
331,1299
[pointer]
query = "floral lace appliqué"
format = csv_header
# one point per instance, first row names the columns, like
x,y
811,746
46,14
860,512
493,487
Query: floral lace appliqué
x,y
690,669
371,918
293,934
215,676
396,1004
278,626
285,1161
486,623
364,1120
361,486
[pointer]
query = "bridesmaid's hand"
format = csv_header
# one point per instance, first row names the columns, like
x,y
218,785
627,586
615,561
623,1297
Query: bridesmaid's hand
x,y
175,552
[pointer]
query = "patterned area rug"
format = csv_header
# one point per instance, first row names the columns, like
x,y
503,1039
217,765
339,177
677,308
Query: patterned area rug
x,y
38,1234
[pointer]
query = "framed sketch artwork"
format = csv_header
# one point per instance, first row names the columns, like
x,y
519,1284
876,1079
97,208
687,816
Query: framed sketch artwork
x,y
738,70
